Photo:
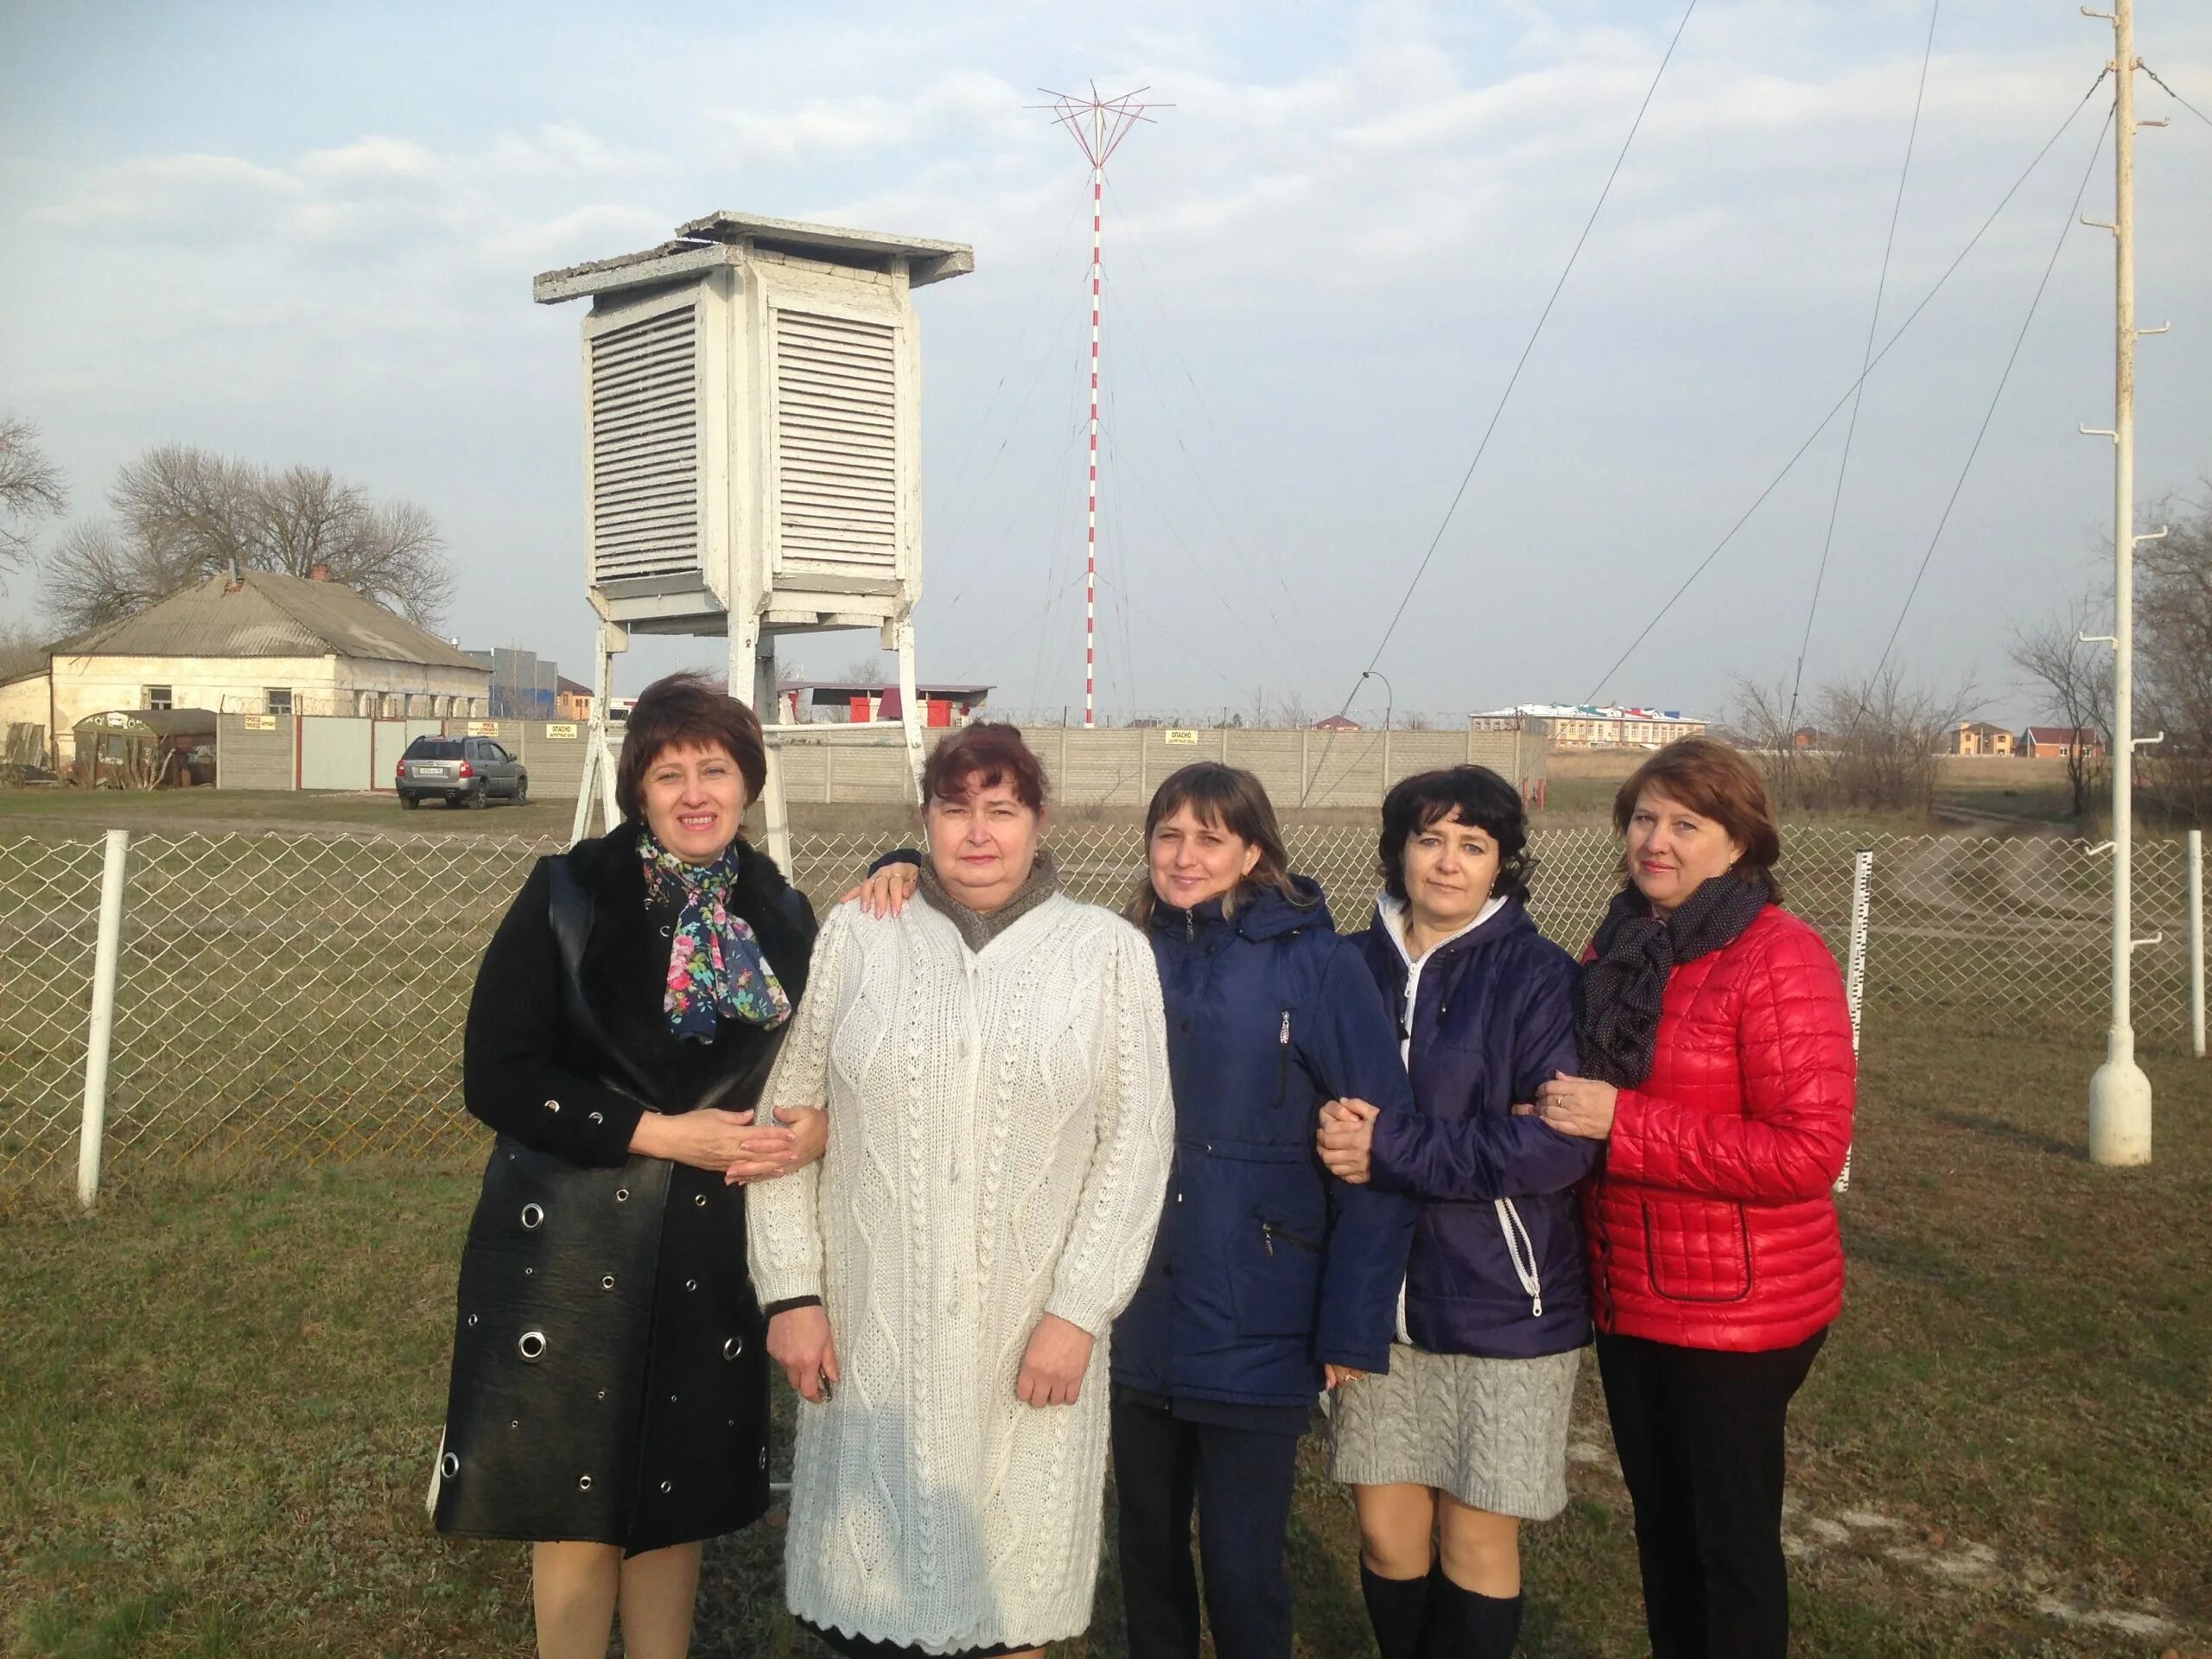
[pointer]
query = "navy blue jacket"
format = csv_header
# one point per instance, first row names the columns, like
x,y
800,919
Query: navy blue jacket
x,y
1493,1016
1266,1266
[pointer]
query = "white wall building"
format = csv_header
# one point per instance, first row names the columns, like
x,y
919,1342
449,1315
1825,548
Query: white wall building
x,y
264,643
1585,726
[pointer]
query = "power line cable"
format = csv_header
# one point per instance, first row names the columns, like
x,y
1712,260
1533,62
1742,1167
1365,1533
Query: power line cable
x,y
1267,562
1836,408
1514,379
1025,332
1865,361
2170,92
1990,414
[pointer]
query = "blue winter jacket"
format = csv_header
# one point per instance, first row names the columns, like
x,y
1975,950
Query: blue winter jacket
x,y
1266,1266
1498,1266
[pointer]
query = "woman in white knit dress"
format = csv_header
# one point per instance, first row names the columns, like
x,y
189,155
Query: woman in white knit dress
x,y
994,1061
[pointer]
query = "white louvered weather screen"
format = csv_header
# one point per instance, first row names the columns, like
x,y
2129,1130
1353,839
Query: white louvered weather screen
x,y
645,448
836,442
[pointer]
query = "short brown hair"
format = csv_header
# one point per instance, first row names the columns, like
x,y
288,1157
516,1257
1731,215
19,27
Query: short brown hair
x,y
680,711
1716,782
1230,798
983,756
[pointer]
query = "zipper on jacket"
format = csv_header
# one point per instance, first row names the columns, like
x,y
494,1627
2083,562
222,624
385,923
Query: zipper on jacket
x,y
1516,1242
1270,1232
1189,927
1282,1060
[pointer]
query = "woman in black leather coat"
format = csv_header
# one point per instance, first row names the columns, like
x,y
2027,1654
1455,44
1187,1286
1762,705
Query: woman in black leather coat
x,y
609,1398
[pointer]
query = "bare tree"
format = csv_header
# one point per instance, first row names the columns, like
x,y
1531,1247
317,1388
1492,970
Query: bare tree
x,y
2074,679
2173,657
23,648
31,488
182,514
1877,740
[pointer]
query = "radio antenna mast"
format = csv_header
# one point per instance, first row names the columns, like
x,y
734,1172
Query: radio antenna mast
x,y
1098,125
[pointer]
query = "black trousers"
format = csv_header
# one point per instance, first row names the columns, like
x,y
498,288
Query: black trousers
x,y
1699,1435
1240,1480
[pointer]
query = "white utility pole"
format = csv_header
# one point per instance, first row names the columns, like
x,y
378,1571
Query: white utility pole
x,y
2119,1094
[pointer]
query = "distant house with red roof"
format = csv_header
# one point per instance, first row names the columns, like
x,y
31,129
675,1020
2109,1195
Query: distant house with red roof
x,y
2061,743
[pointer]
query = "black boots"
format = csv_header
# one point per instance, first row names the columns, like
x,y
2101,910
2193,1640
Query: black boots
x,y
1435,1618
1464,1625
1398,1609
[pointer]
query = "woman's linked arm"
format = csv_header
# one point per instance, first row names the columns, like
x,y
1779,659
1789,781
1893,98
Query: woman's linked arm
x,y
1370,1227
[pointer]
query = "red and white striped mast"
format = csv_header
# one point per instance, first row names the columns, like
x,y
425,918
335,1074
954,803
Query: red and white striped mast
x,y
1099,125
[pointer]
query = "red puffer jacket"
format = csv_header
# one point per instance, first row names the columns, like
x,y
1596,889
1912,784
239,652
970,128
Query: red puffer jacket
x,y
1710,1221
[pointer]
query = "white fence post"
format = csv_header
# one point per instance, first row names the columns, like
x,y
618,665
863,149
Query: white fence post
x,y
104,957
2197,942
1854,968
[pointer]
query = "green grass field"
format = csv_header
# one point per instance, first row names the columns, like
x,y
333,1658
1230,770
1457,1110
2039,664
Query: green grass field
x,y
222,1399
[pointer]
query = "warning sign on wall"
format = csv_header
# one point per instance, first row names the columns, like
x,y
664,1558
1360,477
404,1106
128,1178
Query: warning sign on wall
x,y
560,728
483,728
261,723
1179,734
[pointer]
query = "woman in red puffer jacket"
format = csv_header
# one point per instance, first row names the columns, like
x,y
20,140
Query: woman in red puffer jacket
x,y
1717,1042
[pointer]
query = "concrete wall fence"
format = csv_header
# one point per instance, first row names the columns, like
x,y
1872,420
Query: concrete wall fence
x,y
1110,767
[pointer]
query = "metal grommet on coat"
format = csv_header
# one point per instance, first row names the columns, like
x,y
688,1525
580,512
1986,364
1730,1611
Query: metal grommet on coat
x,y
599,1117
533,1216
622,1195
699,1199
583,1483
472,1321
607,1283
552,1105
764,1456
690,1284
448,1466
733,1347
531,1346
667,1486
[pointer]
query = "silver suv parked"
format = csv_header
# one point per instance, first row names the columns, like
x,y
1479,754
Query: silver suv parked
x,y
459,771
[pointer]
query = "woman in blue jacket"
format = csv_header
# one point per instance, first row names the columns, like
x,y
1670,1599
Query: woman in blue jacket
x,y
1466,1436
1267,1279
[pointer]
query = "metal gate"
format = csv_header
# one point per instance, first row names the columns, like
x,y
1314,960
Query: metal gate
x,y
334,752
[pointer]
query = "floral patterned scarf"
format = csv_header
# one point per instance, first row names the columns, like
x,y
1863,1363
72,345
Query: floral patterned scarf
x,y
715,967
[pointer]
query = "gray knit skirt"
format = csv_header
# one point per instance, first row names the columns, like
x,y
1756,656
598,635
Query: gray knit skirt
x,y
1491,1432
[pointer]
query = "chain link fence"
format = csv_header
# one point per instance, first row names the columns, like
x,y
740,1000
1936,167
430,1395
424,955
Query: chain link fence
x,y
286,1000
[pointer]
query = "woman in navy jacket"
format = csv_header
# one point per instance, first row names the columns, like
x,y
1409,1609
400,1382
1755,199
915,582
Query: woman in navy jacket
x,y
1267,1279
1466,1436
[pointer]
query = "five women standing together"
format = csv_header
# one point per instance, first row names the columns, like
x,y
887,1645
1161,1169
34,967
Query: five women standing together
x,y
1079,1191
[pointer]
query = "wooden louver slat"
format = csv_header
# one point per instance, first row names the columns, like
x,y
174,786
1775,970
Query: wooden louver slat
x,y
644,458
837,408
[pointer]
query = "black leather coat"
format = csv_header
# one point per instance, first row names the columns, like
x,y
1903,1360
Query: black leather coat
x,y
610,1379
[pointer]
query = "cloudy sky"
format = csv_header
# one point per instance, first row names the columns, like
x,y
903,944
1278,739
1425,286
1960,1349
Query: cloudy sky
x,y
300,233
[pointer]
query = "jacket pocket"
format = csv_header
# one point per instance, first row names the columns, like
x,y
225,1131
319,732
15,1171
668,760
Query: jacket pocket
x,y
1698,1249
1276,1269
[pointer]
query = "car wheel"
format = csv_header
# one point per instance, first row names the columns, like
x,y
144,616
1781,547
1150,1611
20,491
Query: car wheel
x,y
522,790
410,802
454,800
479,798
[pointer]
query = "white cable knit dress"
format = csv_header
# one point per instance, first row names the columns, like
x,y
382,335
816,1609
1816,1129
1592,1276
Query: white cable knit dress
x,y
1000,1133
